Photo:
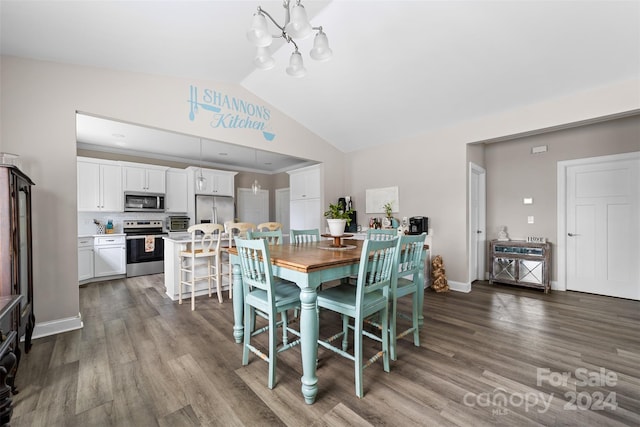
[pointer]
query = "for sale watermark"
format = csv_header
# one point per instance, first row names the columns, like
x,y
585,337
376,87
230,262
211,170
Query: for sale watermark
x,y
501,401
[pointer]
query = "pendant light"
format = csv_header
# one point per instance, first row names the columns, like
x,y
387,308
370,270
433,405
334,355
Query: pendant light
x,y
201,181
255,187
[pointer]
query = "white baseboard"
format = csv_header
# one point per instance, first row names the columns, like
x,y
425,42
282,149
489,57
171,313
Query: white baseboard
x,y
58,326
459,286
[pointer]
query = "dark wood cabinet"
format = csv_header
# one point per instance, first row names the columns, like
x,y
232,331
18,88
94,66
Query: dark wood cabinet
x,y
16,268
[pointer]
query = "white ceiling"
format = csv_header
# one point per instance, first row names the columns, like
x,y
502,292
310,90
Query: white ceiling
x,y
400,68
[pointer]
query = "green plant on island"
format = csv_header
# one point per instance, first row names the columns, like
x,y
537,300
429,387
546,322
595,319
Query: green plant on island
x,y
388,209
337,211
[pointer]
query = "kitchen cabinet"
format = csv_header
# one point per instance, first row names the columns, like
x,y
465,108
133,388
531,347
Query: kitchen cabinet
x,y
520,263
143,178
305,204
177,199
217,183
109,256
305,183
99,186
85,258
306,214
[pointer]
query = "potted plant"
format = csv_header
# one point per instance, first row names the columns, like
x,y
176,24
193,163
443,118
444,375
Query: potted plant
x,y
337,219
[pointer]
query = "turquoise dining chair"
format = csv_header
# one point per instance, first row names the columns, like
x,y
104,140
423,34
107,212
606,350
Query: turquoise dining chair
x,y
304,236
263,294
377,271
381,233
408,283
273,237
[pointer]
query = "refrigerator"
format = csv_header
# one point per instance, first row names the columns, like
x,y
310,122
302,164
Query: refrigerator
x,y
214,209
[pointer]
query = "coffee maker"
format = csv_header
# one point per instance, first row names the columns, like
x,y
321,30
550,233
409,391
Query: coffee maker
x,y
347,203
418,225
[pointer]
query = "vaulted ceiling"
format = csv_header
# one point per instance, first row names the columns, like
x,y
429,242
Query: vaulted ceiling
x,y
399,68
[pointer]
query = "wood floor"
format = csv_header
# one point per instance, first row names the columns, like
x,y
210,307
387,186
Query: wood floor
x,y
495,356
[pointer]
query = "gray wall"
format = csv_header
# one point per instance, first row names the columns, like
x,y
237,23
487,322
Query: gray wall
x,y
513,173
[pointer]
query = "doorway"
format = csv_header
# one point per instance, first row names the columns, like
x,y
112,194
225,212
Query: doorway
x,y
477,222
599,225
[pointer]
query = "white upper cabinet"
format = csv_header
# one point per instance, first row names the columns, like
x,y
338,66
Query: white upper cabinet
x,y
305,183
144,178
99,185
177,199
217,183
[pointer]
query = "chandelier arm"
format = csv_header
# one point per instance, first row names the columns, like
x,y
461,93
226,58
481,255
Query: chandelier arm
x,y
261,10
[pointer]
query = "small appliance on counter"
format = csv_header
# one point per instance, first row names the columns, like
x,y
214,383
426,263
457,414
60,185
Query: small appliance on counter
x,y
418,225
177,223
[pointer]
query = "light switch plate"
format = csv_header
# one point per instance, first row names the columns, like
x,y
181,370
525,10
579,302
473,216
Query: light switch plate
x,y
527,200
530,219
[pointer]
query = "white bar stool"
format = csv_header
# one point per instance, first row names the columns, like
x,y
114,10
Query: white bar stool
x,y
205,244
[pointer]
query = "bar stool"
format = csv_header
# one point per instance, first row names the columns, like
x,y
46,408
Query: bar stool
x,y
269,226
236,229
205,244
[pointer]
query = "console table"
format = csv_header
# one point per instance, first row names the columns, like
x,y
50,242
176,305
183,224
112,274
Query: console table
x,y
520,263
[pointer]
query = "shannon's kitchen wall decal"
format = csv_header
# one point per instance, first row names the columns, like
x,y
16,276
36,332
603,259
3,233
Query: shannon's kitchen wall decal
x,y
230,112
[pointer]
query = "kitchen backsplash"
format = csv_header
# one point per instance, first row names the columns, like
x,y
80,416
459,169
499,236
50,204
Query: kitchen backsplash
x,y
86,226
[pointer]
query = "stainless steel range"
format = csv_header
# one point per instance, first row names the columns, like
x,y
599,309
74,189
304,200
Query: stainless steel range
x,y
145,247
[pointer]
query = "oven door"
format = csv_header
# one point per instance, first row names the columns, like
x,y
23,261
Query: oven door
x,y
140,249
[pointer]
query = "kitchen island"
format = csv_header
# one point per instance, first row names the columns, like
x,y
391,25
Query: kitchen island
x,y
173,245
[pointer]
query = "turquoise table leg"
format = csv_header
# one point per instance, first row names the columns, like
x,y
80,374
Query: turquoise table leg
x,y
238,304
309,343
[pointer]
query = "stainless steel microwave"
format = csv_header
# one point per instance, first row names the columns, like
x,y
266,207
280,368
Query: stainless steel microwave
x,y
143,202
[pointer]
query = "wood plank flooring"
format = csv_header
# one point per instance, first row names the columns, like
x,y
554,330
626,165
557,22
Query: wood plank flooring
x,y
494,356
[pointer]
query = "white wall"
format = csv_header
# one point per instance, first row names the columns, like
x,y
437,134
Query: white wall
x,y
38,105
39,100
431,169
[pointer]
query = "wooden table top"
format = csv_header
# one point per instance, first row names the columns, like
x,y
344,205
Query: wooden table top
x,y
310,257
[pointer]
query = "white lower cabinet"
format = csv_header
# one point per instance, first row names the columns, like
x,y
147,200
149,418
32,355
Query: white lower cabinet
x,y
85,258
306,214
109,256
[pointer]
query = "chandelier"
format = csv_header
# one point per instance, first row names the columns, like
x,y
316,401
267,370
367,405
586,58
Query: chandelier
x,y
296,26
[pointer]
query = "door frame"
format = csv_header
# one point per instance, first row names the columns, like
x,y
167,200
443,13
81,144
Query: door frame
x,y
481,173
561,238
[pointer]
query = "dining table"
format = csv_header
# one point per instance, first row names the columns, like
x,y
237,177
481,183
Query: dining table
x,y
308,265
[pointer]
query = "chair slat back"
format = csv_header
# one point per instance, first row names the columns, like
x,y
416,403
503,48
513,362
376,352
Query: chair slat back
x,y
381,234
272,237
305,236
412,247
255,264
207,235
378,266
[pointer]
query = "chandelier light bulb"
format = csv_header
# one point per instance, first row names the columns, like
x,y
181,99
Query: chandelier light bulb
x,y
263,59
296,66
258,33
321,50
299,27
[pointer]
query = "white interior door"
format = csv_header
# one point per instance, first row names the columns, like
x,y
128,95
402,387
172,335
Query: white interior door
x,y
253,208
477,222
603,227
282,208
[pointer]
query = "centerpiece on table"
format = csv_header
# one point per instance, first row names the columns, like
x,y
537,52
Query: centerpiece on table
x,y
337,218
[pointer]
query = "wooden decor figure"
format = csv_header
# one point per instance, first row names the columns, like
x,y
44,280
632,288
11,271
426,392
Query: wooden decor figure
x,y
438,277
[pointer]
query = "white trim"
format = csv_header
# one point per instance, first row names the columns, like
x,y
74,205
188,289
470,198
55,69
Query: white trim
x,y
482,216
58,326
459,286
561,239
